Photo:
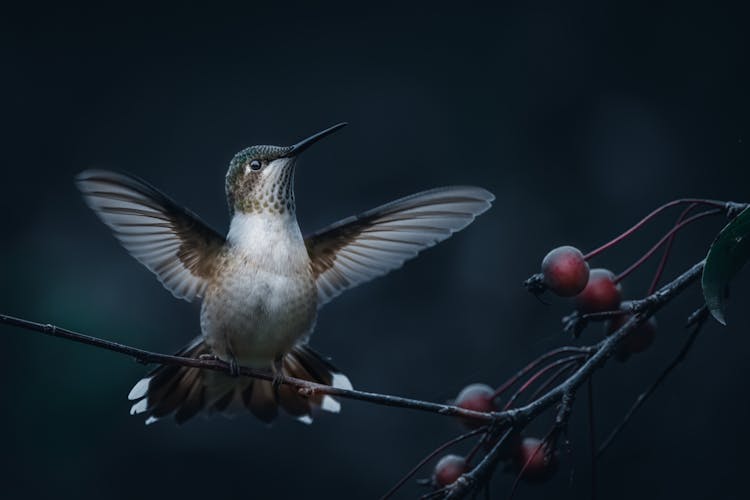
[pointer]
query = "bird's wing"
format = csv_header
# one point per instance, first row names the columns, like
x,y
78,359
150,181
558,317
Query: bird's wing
x,y
363,247
168,239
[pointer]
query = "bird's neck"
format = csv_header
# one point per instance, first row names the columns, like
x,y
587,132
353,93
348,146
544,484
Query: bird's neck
x,y
272,238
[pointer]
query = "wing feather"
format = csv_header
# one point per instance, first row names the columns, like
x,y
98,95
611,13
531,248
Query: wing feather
x,y
360,248
168,239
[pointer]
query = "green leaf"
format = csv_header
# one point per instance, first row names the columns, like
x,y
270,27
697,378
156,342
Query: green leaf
x,y
728,253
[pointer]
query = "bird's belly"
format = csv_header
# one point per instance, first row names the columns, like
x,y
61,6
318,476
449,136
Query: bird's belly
x,y
257,317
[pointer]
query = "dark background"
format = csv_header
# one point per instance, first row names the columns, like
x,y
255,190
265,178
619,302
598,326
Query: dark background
x,y
579,118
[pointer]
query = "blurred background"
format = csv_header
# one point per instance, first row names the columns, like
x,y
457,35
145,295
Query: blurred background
x,y
580,118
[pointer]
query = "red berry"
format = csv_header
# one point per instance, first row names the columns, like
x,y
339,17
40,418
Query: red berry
x,y
565,272
476,397
601,293
448,469
536,460
637,340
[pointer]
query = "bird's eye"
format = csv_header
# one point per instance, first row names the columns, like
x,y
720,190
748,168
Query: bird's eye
x,y
255,165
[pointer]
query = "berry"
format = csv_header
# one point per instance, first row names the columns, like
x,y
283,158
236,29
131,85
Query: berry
x,y
565,272
448,469
534,460
476,397
635,341
601,293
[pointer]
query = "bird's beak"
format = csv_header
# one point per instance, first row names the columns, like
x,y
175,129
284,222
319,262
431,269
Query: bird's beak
x,y
306,143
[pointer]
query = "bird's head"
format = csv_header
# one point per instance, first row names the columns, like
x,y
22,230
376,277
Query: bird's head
x,y
261,178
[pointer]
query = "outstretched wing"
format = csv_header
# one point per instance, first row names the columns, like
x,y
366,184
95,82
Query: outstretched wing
x,y
363,247
168,239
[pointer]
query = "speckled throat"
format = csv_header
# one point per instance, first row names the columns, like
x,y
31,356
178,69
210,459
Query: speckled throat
x,y
270,189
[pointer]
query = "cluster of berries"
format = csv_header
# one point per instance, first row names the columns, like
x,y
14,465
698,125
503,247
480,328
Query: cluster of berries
x,y
566,273
529,457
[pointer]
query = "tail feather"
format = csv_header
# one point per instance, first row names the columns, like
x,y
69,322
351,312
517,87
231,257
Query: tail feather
x,y
171,389
260,399
306,363
194,403
294,404
222,403
174,394
163,381
185,392
289,396
315,364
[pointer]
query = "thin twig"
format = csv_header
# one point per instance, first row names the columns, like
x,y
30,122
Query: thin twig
x,y
668,250
468,481
305,387
697,326
649,217
530,366
601,352
429,457
592,436
642,310
504,421
663,240
565,362
553,379
477,446
545,446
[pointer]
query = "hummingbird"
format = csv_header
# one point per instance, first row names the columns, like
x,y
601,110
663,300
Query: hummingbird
x,y
260,287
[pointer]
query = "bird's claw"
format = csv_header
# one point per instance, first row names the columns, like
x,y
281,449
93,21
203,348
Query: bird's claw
x,y
234,368
278,375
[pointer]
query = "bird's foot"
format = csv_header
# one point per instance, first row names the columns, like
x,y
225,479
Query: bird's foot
x,y
234,367
278,374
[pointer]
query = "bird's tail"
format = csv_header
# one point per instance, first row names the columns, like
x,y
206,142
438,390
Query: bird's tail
x,y
184,392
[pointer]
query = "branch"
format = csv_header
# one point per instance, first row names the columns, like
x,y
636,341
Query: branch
x,y
429,457
502,423
563,394
641,311
592,436
470,480
305,388
697,320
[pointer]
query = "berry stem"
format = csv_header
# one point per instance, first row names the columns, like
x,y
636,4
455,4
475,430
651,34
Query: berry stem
x,y
524,467
429,457
649,217
544,446
475,449
539,374
523,371
552,379
667,250
635,265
